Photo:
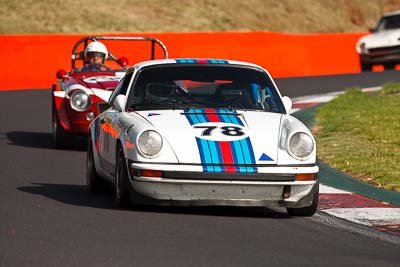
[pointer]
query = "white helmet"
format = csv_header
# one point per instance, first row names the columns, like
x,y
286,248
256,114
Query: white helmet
x,y
96,47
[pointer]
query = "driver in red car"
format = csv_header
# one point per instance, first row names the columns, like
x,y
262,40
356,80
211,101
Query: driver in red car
x,y
95,55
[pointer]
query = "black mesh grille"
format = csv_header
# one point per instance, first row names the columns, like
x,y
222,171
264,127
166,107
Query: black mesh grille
x,y
230,176
384,50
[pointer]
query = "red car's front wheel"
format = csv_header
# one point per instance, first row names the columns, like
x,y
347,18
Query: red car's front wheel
x,y
60,136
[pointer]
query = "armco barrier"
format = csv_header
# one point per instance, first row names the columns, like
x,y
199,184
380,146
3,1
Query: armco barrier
x,y
31,61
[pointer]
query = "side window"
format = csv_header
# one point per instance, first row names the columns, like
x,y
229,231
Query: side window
x,y
116,90
121,88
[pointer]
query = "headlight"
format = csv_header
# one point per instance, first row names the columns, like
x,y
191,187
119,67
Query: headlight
x,y
300,146
150,143
80,101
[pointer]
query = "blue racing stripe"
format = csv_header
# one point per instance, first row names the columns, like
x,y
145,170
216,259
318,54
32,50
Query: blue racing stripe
x,y
250,150
208,169
251,170
210,152
201,117
242,169
190,119
220,157
237,120
239,158
234,153
205,149
214,153
201,150
231,117
245,149
224,118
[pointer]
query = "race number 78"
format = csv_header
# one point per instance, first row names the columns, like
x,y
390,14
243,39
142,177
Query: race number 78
x,y
225,130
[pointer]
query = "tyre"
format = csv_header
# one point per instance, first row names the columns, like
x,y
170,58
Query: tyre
x,y
94,183
309,210
390,66
122,198
365,67
60,136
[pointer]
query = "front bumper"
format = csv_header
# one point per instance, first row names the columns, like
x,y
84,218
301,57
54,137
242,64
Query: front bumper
x,y
276,187
381,55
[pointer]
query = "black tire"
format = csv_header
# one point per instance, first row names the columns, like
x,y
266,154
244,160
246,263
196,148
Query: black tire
x,y
365,67
94,183
309,210
61,138
389,66
121,194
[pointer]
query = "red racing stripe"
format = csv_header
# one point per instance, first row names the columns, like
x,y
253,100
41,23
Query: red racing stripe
x,y
227,156
210,113
230,169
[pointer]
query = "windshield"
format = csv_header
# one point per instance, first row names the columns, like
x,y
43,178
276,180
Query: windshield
x,y
204,86
388,23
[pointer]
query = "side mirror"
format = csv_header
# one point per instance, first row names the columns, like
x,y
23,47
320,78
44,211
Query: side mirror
x,y
61,74
123,61
287,102
119,102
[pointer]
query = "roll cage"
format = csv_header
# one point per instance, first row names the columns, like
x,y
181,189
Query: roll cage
x,y
79,55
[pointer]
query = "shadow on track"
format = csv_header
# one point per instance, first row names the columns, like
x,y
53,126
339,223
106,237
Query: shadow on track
x,y
41,140
78,196
69,194
30,139
223,211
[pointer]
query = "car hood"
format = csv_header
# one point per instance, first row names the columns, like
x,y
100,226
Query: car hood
x,y
199,136
381,39
101,86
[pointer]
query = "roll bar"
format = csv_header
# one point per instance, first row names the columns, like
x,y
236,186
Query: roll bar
x,y
79,55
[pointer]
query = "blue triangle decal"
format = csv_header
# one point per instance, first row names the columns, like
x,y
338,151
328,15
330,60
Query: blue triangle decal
x,y
264,157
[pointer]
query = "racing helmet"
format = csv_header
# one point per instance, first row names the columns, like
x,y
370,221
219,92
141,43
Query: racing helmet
x,y
96,47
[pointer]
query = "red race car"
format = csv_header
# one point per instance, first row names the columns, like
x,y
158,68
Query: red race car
x,y
81,94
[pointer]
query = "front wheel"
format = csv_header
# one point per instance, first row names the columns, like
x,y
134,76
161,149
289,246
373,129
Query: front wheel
x,y
94,182
122,198
60,136
389,66
365,66
309,210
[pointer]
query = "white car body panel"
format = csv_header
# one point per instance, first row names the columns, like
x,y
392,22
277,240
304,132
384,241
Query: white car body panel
x,y
381,39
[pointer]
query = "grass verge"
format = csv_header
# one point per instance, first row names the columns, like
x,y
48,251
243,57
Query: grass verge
x,y
359,134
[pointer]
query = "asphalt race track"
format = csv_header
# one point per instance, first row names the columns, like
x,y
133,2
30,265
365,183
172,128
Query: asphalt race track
x,y
48,218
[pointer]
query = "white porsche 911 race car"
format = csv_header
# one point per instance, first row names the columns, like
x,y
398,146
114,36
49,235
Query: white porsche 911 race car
x,y
202,132
382,47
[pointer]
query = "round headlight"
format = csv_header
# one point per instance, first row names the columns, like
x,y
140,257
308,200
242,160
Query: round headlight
x,y
301,145
80,101
150,143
